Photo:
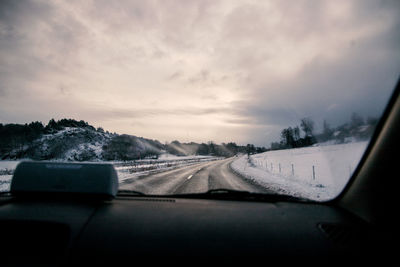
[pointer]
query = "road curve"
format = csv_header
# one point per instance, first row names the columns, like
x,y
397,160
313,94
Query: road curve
x,y
196,178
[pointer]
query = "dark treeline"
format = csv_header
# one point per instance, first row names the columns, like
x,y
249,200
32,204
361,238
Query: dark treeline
x,y
14,136
61,124
41,142
357,129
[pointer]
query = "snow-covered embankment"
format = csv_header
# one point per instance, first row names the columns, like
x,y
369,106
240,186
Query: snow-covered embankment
x,y
317,173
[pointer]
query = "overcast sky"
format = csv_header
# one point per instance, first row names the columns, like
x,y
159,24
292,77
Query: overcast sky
x,y
197,70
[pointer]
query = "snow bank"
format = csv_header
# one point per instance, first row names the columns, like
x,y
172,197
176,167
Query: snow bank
x,y
317,173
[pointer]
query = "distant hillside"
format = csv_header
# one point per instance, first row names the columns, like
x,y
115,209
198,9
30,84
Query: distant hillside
x,y
69,139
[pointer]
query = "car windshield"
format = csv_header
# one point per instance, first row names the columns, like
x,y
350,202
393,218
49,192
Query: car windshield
x,y
270,97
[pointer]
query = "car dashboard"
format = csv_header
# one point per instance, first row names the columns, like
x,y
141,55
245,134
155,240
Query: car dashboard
x,y
78,231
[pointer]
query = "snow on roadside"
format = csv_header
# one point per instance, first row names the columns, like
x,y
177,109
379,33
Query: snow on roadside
x,y
125,170
8,164
5,182
6,171
317,173
134,169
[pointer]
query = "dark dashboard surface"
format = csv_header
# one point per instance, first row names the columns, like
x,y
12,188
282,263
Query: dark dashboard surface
x,y
166,230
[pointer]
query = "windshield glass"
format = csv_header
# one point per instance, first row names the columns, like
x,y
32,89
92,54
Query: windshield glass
x,y
272,97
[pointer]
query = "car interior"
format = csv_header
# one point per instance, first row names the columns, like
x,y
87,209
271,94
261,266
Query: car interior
x,y
72,215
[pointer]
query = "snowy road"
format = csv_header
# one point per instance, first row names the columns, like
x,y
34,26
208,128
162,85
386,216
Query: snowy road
x,y
192,179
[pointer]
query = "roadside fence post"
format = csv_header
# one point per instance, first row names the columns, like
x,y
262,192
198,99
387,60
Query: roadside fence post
x,y
313,172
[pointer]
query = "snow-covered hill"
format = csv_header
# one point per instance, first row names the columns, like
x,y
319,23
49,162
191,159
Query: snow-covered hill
x,y
71,143
80,142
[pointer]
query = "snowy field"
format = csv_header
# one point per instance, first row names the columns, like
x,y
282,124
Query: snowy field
x,y
125,170
317,173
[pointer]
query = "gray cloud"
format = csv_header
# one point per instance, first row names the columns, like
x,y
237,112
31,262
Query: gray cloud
x,y
243,70
360,79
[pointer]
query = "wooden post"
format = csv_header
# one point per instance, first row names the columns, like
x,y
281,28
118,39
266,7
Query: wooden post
x,y
313,172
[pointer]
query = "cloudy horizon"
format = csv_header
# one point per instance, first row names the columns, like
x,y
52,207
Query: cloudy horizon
x,y
197,70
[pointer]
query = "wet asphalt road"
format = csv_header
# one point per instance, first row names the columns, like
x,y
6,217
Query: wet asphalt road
x,y
196,178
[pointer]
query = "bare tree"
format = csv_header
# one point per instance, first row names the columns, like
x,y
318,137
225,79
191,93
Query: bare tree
x,y
307,125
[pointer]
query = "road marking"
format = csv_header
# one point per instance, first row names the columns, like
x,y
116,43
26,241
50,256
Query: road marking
x,y
190,176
